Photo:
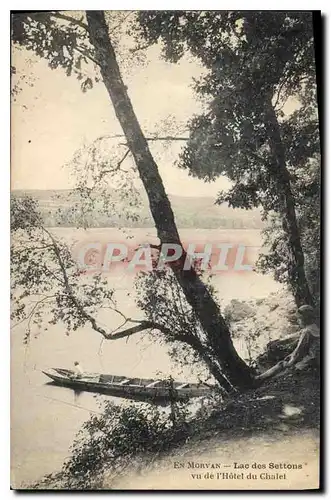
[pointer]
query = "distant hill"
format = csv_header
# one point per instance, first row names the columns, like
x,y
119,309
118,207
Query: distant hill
x,y
195,212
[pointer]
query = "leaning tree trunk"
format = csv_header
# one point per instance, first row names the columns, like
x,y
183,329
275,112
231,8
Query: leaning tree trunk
x,y
195,291
298,279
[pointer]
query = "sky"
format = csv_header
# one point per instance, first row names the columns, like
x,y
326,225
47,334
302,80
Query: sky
x,y
53,118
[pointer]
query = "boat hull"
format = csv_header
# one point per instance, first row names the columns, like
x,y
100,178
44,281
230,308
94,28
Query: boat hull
x,y
112,385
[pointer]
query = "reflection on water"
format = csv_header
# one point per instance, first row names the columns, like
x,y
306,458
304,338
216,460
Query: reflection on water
x,y
45,418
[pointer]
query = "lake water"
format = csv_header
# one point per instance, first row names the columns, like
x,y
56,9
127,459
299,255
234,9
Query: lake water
x,y
44,418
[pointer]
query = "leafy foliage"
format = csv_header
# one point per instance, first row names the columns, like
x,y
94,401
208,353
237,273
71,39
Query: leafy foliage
x,y
47,285
277,260
111,441
63,44
163,302
62,39
257,63
104,178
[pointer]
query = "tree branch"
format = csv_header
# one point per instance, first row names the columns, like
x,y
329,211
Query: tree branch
x,y
139,48
81,51
70,19
74,302
33,310
68,289
128,332
112,170
301,350
152,138
140,326
114,28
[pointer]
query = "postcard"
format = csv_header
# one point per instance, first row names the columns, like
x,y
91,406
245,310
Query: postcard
x,y
165,250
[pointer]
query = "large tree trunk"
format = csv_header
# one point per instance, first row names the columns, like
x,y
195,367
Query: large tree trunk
x,y
196,293
298,279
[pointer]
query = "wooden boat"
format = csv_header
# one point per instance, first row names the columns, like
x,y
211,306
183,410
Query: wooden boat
x,y
133,388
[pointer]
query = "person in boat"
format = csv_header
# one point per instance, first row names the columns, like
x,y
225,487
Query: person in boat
x,y
308,346
78,371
